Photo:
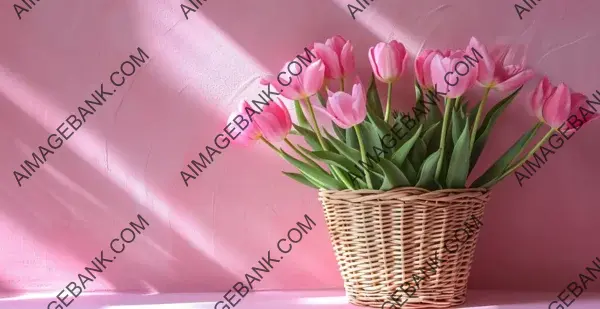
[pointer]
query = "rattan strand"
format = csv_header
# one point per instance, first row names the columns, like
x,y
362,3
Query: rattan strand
x,y
381,239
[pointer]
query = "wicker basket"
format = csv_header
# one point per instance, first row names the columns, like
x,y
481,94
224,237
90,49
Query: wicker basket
x,y
382,238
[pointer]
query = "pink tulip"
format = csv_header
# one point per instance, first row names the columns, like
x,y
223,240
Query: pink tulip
x,y
252,131
307,83
580,111
274,121
388,60
494,72
423,66
344,109
443,74
337,55
551,105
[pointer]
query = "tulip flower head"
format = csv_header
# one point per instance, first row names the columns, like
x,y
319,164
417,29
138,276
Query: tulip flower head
x,y
252,132
495,72
550,104
444,76
274,122
337,55
346,110
301,85
388,60
423,66
578,108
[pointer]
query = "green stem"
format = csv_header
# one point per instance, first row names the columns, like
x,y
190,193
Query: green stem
x,y
478,116
532,152
314,120
447,110
270,145
321,99
307,158
388,105
334,170
536,128
363,154
342,84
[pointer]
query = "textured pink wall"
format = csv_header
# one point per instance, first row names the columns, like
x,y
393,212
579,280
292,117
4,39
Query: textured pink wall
x,y
126,158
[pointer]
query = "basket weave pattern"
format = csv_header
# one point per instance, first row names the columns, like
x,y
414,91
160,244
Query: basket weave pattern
x,y
381,239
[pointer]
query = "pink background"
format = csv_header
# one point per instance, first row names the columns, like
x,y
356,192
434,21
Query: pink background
x,y
126,159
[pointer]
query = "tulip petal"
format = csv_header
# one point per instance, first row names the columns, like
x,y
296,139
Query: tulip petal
x,y
359,104
347,59
538,96
487,67
427,70
313,77
319,110
336,43
341,105
515,81
557,107
330,60
499,54
419,66
438,72
386,63
374,66
285,119
399,52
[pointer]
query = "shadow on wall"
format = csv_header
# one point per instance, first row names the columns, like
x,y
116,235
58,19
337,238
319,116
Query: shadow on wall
x,y
273,41
70,199
97,216
77,217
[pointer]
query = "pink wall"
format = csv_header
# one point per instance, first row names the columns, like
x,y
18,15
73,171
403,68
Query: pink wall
x,y
126,158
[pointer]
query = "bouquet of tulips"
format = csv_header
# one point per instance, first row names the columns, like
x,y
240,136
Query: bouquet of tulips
x,y
368,147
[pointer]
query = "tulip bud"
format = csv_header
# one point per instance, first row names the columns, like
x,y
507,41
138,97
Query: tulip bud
x,y
388,60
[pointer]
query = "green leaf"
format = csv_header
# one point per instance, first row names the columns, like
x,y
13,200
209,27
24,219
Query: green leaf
x,y
492,174
473,112
432,136
492,115
409,171
327,180
382,127
448,148
341,133
373,102
402,152
418,92
302,121
418,153
337,160
458,170
488,124
463,109
427,172
393,175
352,139
301,179
372,140
457,125
311,138
350,153
434,113
354,156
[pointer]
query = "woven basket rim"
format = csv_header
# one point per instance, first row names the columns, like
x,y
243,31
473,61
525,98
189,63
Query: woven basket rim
x,y
399,189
